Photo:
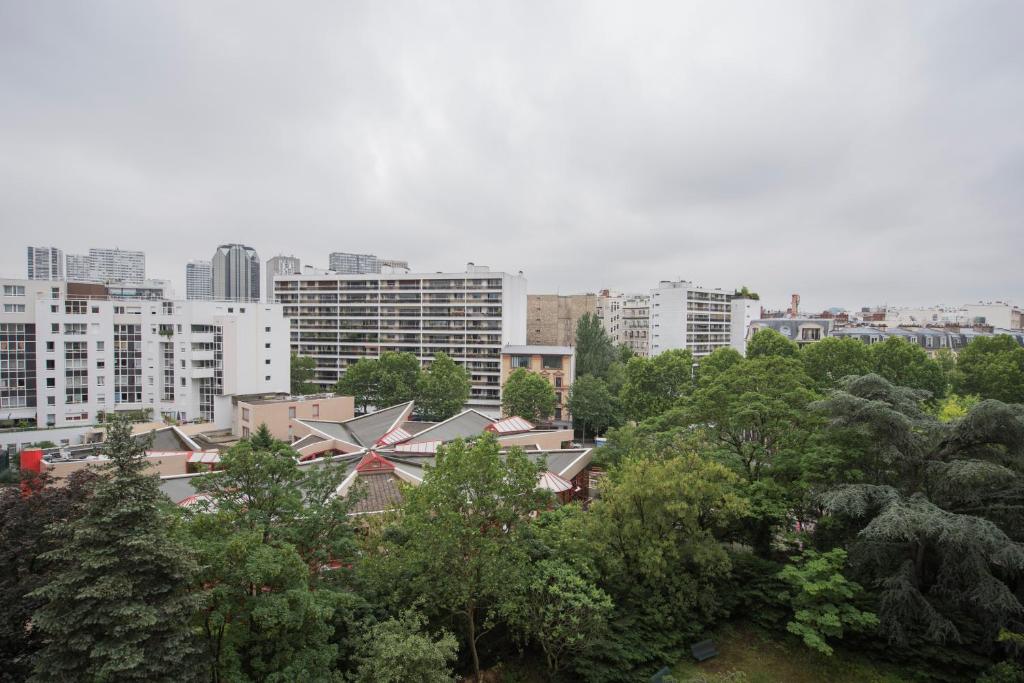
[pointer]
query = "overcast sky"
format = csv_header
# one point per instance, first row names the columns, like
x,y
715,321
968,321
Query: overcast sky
x,y
855,152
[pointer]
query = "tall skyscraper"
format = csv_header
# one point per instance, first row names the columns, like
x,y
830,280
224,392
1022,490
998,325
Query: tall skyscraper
x,y
45,263
108,265
236,273
199,280
280,265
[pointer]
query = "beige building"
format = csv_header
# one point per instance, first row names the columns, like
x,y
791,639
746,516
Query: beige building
x,y
626,319
557,364
551,318
279,411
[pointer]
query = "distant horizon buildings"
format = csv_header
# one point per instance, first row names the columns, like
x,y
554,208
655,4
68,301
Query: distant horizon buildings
x,y
199,280
107,265
44,263
362,264
236,273
280,265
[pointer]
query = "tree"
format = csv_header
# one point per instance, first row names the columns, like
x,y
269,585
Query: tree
x,y
561,611
117,602
302,370
744,293
768,342
623,353
397,650
907,365
935,514
442,390
717,361
528,395
992,367
653,385
265,534
822,599
592,404
25,513
359,382
833,358
457,545
594,348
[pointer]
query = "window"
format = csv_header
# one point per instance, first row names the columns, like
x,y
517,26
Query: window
x,y
100,380
99,346
55,327
50,383
51,400
55,292
267,378
49,346
19,290
245,414
50,364
552,362
266,329
558,382
316,410
266,362
95,309
100,364
183,381
291,411
14,308
267,345
520,362
245,432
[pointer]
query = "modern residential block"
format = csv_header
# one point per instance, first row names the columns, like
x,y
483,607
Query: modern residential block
x,y
687,316
107,265
236,273
280,265
45,263
353,264
199,280
337,319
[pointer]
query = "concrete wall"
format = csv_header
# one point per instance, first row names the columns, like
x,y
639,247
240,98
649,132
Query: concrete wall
x,y
276,415
552,440
163,465
551,318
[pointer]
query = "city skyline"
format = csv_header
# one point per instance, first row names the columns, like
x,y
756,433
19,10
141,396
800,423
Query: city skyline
x,y
592,146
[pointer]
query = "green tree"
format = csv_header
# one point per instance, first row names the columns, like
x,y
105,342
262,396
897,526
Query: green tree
x,y
592,404
265,534
954,407
717,361
992,367
457,544
302,370
360,382
934,512
623,353
25,513
833,358
768,342
822,599
561,611
594,348
443,389
907,365
528,395
398,650
653,385
744,293
117,605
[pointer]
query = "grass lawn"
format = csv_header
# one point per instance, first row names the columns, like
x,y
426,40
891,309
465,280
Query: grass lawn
x,y
748,655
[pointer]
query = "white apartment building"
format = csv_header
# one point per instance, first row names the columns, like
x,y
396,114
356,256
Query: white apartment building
x,y
66,360
44,263
626,319
339,318
687,316
199,280
107,265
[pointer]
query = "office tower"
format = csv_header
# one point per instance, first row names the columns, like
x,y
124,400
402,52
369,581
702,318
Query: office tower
x,y
236,273
45,263
199,280
280,265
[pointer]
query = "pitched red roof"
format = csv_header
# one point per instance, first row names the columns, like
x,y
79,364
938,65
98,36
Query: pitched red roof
x,y
372,462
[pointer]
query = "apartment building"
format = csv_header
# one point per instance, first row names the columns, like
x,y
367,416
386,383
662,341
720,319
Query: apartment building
x,y
68,358
551,318
339,318
686,316
44,263
199,280
280,265
353,264
107,265
626,319
556,364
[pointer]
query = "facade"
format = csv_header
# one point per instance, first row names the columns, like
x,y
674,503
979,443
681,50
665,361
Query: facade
x,y
280,265
626,319
803,331
150,290
556,364
353,264
45,263
743,311
931,339
108,265
236,273
687,316
551,318
199,280
95,355
278,411
338,319
390,265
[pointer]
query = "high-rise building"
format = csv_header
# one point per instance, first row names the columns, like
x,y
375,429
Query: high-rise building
x,y
391,265
338,319
353,264
199,280
280,265
68,357
236,273
626,319
686,316
108,265
551,318
45,263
